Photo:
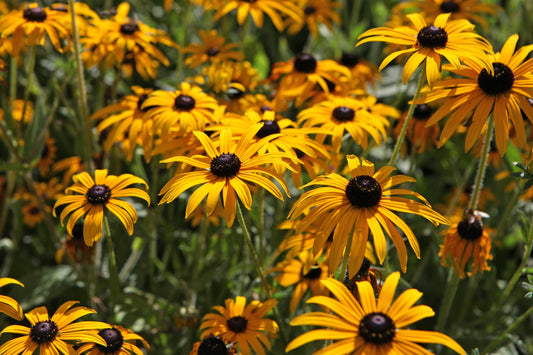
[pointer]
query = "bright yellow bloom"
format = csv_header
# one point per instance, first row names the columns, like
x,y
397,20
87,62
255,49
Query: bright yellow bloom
x,y
8,305
454,40
315,13
52,335
211,49
369,326
360,206
243,324
89,197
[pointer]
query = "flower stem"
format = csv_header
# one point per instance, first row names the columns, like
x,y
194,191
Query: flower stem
x,y
114,283
403,132
505,335
447,300
84,111
258,267
482,166
345,258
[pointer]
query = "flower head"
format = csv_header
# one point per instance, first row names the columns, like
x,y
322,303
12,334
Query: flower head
x,y
89,197
243,324
213,345
119,341
500,85
369,325
213,48
51,335
453,40
360,206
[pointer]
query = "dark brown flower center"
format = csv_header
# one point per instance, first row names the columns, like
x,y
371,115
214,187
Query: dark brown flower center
x,y
35,211
129,28
43,332
184,102
343,114
350,60
237,324
309,10
432,37
212,346
468,230
422,112
34,14
314,273
269,127
500,81
305,63
225,165
113,338
363,191
365,267
140,103
377,328
213,51
98,194
449,6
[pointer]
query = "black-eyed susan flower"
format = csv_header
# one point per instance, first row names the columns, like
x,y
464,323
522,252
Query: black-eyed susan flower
x,y
213,345
52,335
315,13
500,87
212,48
8,305
360,206
119,341
88,197
369,325
189,108
32,213
464,242
338,115
230,169
305,271
242,324
362,70
453,40
257,9
127,118
28,27
304,72
418,134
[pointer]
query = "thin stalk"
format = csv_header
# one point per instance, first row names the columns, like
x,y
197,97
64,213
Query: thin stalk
x,y
84,111
114,283
447,300
261,224
133,259
345,258
403,132
495,343
259,268
13,71
29,79
482,166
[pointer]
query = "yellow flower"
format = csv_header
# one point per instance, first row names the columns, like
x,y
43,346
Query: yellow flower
x,y
89,197
465,241
27,27
232,170
258,8
500,87
212,49
242,324
369,325
315,13
418,134
454,40
8,305
51,335
119,341
361,205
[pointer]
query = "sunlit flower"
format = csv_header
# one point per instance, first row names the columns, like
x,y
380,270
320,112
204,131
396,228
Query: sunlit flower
x,y
8,305
212,48
230,169
88,197
315,13
464,242
257,9
360,206
52,335
243,324
27,27
305,271
119,341
369,325
453,40
502,88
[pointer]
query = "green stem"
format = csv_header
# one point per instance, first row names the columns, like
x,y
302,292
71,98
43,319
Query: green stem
x,y
114,283
403,132
258,267
447,300
482,166
84,111
345,258
29,79
495,343
261,224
